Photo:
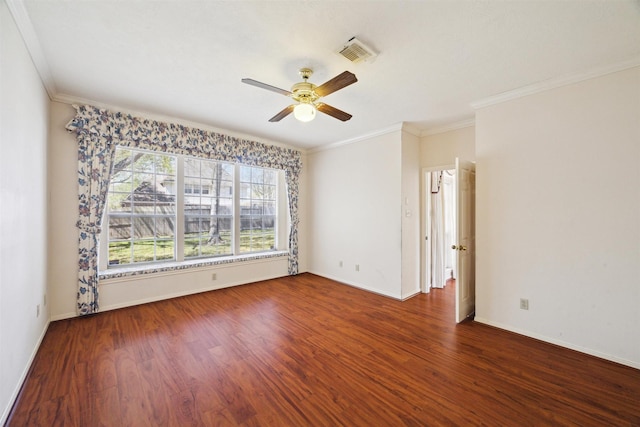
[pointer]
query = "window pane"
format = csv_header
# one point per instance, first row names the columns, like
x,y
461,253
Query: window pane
x,y
191,167
164,228
143,250
245,190
192,202
209,170
256,224
143,227
207,236
143,208
119,228
270,177
164,249
269,192
121,182
225,207
143,161
165,165
119,202
166,209
122,155
166,184
270,208
258,208
191,245
207,204
257,191
226,225
119,252
245,174
257,175
227,171
217,205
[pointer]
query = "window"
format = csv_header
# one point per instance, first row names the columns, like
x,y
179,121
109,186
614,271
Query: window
x,y
164,207
208,215
141,208
257,209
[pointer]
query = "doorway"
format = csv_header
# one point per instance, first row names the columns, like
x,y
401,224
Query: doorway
x,y
441,233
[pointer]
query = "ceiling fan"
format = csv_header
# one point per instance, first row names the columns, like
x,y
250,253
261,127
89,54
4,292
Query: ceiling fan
x,y
307,96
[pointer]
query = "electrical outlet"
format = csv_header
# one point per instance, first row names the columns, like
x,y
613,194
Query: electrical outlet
x,y
524,304
214,276
357,267
340,263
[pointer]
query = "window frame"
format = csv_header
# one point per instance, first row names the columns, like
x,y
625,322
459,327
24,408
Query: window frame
x,y
281,223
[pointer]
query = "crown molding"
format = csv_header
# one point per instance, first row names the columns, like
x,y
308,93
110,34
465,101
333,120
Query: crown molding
x,y
394,128
555,83
451,126
25,27
403,127
71,100
410,129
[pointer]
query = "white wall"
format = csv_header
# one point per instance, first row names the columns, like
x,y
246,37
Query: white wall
x,y
442,149
23,211
354,194
63,213
558,215
410,213
115,293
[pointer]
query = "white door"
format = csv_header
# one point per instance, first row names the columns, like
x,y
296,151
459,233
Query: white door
x,y
465,185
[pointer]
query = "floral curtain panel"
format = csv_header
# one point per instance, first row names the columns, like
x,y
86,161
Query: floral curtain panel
x,y
98,131
95,156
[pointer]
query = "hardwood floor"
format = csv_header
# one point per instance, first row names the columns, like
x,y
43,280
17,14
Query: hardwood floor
x,y
307,351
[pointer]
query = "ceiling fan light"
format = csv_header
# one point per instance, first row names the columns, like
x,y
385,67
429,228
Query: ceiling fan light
x,y
304,112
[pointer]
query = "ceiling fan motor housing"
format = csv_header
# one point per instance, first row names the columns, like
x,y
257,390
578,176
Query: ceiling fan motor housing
x,y
304,92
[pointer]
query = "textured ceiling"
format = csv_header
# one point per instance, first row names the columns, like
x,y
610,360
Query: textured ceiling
x,y
185,59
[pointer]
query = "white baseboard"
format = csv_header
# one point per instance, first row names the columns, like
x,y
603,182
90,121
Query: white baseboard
x,y
412,294
356,285
162,297
560,343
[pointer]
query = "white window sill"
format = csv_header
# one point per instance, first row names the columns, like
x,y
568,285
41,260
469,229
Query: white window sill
x,y
174,266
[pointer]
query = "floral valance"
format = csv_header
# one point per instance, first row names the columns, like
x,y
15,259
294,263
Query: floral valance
x,y
127,130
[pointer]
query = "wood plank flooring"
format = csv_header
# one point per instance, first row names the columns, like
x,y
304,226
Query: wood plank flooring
x,y
307,351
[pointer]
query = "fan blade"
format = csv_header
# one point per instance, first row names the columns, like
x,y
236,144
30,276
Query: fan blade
x,y
336,83
333,112
266,86
282,114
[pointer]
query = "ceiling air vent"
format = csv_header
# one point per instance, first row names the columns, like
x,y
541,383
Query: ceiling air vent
x,y
356,51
